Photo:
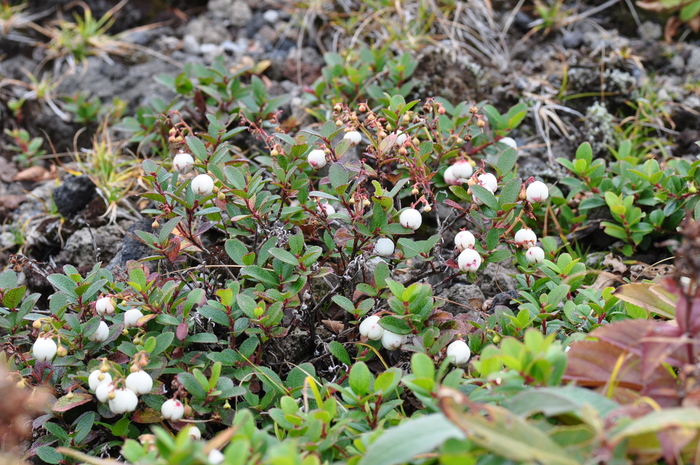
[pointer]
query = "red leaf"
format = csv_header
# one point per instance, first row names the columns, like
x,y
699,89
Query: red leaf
x,y
181,331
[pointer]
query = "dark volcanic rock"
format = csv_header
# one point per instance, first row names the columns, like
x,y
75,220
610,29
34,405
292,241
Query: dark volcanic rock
x,y
74,194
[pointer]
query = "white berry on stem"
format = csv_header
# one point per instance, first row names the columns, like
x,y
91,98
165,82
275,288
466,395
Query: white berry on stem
x,y
131,317
462,169
411,218
125,400
458,352
354,137
392,341
534,255
384,247
172,409
469,260
202,185
140,382
101,333
97,378
371,329
525,237
464,240
44,349
317,159
183,162
537,191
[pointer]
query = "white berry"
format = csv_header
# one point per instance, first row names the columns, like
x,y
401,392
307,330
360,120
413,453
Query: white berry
x,y
537,192
509,141
462,169
172,409
469,260
125,400
317,159
326,208
183,162
411,218
534,255
391,341
202,185
44,349
97,378
451,179
371,329
401,138
464,240
525,237
103,390
131,317
194,432
458,353
488,181
101,333
104,306
354,137
215,457
384,247
140,382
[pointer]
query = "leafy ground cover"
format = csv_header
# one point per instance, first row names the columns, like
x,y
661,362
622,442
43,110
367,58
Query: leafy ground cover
x,y
349,233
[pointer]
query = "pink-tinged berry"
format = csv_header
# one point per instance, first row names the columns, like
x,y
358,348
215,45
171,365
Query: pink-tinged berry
x,y
101,333
509,141
537,191
326,208
172,409
469,260
371,329
525,237
489,182
392,341
462,169
317,159
411,218
464,240
534,255
194,432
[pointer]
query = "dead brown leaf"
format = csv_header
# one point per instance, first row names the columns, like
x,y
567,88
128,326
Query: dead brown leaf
x,y
33,174
336,326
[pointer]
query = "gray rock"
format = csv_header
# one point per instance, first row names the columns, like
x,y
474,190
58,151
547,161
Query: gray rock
x,y
239,13
572,39
88,246
206,31
650,31
693,62
271,16
463,298
497,278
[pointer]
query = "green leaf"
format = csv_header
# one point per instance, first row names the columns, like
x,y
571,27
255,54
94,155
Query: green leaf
x,y
339,351
49,454
13,297
411,438
345,303
284,256
163,341
360,379
63,283
192,385
395,325
506,161
338,175
197,147
485,195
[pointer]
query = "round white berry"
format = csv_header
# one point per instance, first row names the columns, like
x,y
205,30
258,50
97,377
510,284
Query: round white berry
x,y
537,192
131,317
183,162
172,409
104,306
451,179
125,400
326,208
202,185
462,169
458,353
488,181
317,159
469,260
464,240
44,349
509,141
215,457
534,255
140,382
525,237
384,247
411,218
371,329
101,333
354,137
401,138
103,390
392,341
96,378
194,432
